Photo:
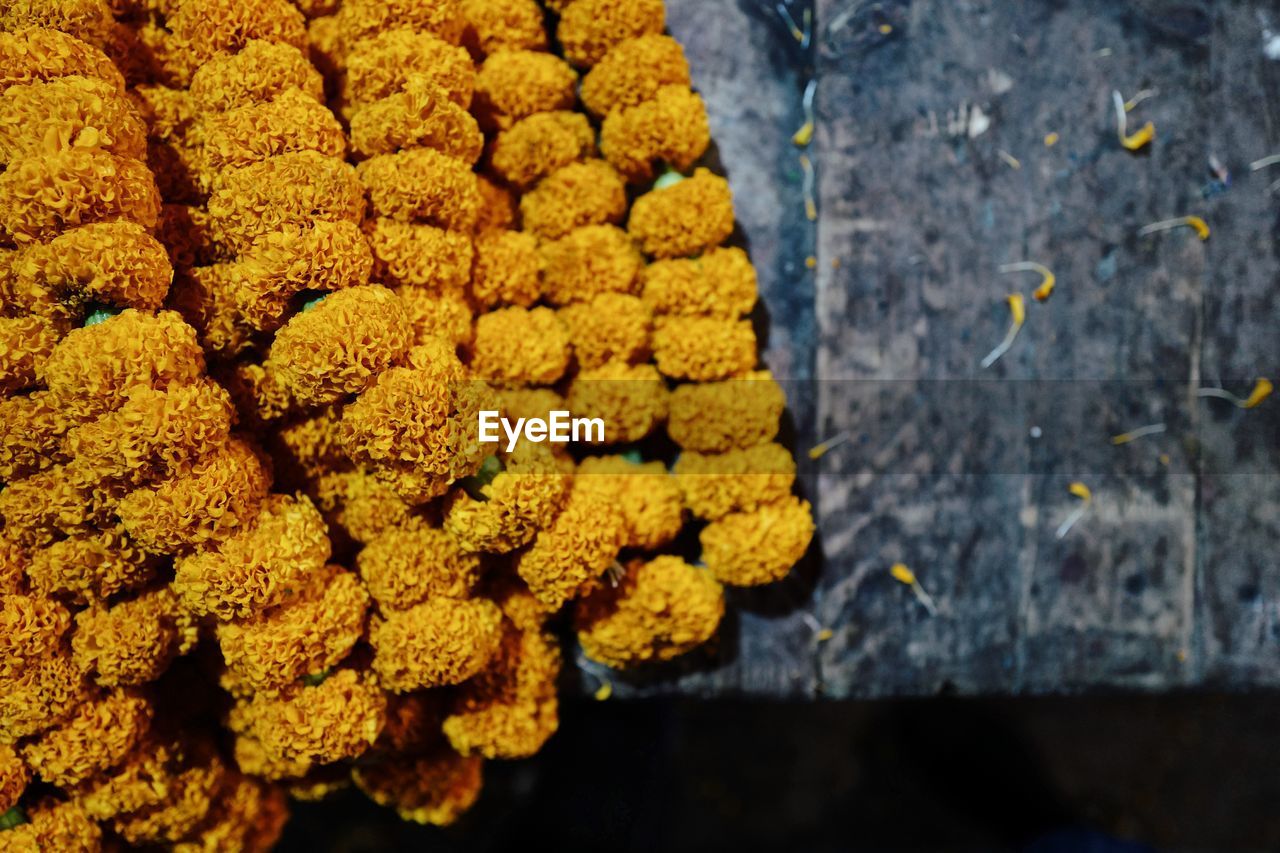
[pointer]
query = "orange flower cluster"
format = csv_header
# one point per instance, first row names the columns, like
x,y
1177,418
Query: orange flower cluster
x,y
262,264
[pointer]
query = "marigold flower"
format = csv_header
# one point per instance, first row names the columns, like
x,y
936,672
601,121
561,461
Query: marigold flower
x,y
421,185
381,65
645,494
716,484
515,84
587,193
133,641
589,261
574,550
759,546
588,29
290,123
257,74
510,509
441,641
685,219
91,567
520,345
429,259
538,145
363,18
81,112
718,416
420,115
37,54
631,399
54,825
703,349
405,565
444,318
721,283
498,25
88,20
672,128
14,776
632,72
506,270
612,326
98,735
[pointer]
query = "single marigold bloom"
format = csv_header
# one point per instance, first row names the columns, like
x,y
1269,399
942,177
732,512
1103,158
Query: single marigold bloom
x,y
759,546
588,29
260,397
54,825
408,564
290,123
325,256
33,628
509,510
340,717
40,197
137,783
520,345
520,606
99,734
499,208
515,84
25,346
167,113
81,112
34,55
645,494
189,795
421,115
716,484
497,25
441,641
631,399
87,20
360,504
538,145
587,193
342,344
416,430
252,758
40,695
363,18
421,185
672,128
721,283
219,496
381,65
247,815
505,271
691,217
428,258
718,416
202,30
257,568
574,550
309,446
660,609
116,264
31,431
134,641
510,709
259,73
290,190
91,567
445,317
429,789
308,634
612,326
632,72
14,776
703,349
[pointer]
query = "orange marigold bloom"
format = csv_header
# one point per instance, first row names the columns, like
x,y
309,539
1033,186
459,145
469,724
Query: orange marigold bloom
x,y
91,567
423,256
88,20
40,197
133,641
82,112
290,123
587,193
497,25
574,550
260,72
421,185
515,84
33,55
40,695
659,610
405,565
688,218
499,208
740,480
703,349
33,629
381,66
363,18
645,494
520,345
522,499
189,795
445,317
247,815
14,776
719,416
98,735
588,29
420,115
430,789
360,504
538,145
441,641
589,261
612,326
759,546
671,128
720,283
506,269
257,568
54,825
200,31
632,72
631,399
25,346
510,709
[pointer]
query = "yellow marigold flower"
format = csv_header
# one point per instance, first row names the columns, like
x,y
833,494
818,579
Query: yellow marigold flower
x,y
14,776
408,564
760,546
612,326
190,793
420,115
91,567
499,208
703,349
260,72
631,399
645,494
498,25
133,641
40,197
588,261
441,641
522,499
248,815
520,345
421,185
510,709
435,788
720,283
25,346
587,193
381,65
574,550
659,610
719,416
424,256
716,484
297,190
258,568
538,145
520,606
588,29
33,629
290,123
633,72
139,783
55,825
40,695
445,317
363,18
506,270
33,55
359,504
342,345
99,734
69,112
515,84
88,20
672,128
200,31
686,219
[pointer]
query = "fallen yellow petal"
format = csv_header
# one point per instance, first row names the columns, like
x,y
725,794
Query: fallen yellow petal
x,y
804,135
1080,490
1201,227
1261,390
1140,139
1051,139
902,574
1018,308
604,691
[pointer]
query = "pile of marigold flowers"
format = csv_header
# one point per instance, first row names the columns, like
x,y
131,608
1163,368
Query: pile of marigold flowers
x,y
263,264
